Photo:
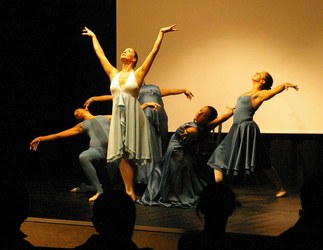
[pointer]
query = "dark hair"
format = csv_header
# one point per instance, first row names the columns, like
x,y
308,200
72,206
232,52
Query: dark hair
x,y
136,56
114,213
268,81
213,113
216,198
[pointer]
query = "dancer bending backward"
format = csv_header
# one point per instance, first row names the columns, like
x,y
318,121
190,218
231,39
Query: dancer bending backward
x,y
129,141
97,128
242,150
158,125
175,182
158,122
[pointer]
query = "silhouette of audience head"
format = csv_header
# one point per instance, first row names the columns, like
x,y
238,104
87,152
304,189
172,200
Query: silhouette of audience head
x,y
216,201
13,211
15,207
306,233
311,196
114,214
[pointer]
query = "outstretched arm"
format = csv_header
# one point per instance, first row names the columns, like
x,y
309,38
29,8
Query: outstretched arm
x,y
265,95
102,98
108,68
142,71
77,129
221,118
166,92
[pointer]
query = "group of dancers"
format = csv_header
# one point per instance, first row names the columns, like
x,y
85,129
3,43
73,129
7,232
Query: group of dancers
x,y
135,136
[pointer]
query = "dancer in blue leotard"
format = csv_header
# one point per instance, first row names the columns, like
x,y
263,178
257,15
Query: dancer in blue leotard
x,y
242,150
97,128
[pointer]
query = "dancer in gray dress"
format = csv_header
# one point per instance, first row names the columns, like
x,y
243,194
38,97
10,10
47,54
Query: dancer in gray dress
x,y
175,182
242,150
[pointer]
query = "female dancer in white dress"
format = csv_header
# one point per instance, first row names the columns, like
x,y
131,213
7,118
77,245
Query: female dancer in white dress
x,y
129,140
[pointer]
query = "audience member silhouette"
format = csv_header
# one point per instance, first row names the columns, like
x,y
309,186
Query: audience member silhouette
x,y
307,232
216,204
13,211
114,215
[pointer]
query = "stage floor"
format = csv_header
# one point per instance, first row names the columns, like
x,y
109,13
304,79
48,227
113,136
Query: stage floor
x,y
260,214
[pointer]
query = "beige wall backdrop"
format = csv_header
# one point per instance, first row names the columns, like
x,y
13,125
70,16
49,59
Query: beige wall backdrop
x,y
221,44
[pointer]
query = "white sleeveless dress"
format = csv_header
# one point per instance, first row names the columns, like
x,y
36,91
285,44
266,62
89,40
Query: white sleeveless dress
x,y
129,129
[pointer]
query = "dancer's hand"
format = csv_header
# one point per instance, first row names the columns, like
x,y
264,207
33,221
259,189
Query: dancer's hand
x,y
87,103
288,85
230,109
152,105
189,133
34,144
88,32
188,94
169,29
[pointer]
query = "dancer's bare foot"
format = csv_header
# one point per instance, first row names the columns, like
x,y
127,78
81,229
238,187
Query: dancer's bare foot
x,y
133,197
281,193
94,197
80,189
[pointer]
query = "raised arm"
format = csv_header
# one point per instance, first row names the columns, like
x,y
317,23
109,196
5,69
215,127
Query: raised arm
x,y
108,68
142,71
101,98
221,118
77,129
166,92
265,95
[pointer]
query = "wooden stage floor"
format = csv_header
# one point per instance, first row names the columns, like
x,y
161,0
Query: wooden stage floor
x,y
260,214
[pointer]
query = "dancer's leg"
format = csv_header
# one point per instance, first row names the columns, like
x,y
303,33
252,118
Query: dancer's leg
x,y
86,159
127,174
273,176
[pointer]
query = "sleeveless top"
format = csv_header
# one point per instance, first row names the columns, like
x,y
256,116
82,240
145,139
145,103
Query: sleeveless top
x,y
243,110
128,129
97,129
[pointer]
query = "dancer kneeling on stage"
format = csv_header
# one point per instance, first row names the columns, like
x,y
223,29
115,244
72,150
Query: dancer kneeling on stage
x,y
97,128
174,182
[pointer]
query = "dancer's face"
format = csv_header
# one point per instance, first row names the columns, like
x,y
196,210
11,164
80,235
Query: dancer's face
x,y
202,116
257,77
80,114
128,53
